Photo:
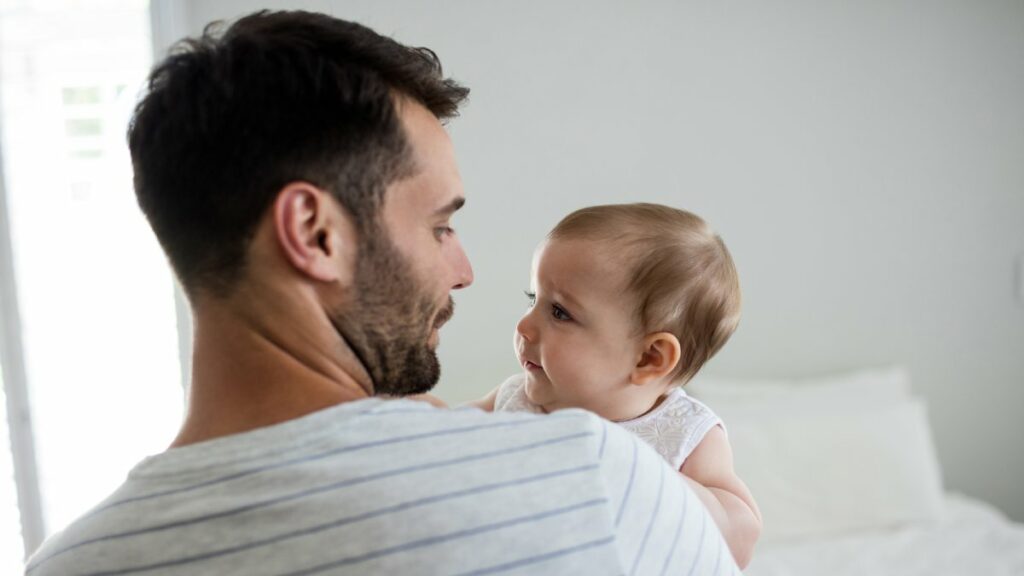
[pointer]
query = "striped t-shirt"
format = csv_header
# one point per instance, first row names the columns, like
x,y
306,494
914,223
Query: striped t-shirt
x,y
400,487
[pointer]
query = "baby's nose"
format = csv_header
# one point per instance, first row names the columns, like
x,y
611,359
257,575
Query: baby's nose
x,y
524,328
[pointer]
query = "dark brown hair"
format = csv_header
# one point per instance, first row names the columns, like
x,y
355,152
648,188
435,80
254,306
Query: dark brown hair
x,y
231,117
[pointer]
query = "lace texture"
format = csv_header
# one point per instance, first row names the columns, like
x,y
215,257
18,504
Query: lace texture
x,y
674,428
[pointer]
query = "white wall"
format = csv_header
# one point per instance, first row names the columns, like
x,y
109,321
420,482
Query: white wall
x,y
863,161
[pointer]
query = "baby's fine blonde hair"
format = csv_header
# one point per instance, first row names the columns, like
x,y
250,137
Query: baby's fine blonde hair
x,y
679,273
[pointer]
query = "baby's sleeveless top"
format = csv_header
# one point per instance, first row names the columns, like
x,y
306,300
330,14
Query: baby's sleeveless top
x,y
674,428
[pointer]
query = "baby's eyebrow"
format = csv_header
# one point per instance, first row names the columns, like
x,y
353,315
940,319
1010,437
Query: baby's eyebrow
x,y
568,299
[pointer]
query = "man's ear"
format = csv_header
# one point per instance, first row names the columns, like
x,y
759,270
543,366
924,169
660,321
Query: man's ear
x,y
659,355
315,233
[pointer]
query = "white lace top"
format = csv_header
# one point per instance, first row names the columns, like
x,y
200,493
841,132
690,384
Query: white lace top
x,y
674,428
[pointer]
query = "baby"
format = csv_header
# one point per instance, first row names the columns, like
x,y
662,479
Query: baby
x,y
626,303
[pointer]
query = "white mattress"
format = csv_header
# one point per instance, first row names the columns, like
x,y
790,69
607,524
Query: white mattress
x,y
972,539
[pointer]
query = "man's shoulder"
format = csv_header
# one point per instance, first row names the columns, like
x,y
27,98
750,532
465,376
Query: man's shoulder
x,y
501,427
416,413
410,483
400,475
475,422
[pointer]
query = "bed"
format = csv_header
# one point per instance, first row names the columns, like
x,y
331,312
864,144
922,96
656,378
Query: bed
x,y
845,473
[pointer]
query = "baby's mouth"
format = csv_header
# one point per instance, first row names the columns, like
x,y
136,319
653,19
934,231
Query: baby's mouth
x,y
530,366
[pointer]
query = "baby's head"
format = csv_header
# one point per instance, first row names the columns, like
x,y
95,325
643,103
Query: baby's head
x,y
626,301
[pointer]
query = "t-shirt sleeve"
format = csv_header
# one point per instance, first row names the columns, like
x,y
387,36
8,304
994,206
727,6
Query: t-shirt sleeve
x,y
660,524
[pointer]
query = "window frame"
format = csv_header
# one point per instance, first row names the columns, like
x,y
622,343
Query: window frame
x,y
167,19
19,415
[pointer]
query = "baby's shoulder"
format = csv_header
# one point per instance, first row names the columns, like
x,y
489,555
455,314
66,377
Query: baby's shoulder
x,y
680,409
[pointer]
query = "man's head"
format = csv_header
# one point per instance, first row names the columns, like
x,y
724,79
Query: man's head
x,y
328,134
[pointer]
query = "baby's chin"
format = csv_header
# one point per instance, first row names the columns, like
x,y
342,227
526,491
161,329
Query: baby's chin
x,y
535,396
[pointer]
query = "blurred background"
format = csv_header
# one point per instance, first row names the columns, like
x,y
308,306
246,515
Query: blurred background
x,y
864,162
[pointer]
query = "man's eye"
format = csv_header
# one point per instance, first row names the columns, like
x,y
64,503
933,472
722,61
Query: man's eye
x,y
559,313
442,231
531,296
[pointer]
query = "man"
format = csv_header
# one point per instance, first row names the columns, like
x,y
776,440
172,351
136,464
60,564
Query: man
x,y
297,174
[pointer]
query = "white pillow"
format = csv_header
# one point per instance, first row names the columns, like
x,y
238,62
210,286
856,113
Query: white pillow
x,y
865,386
835,468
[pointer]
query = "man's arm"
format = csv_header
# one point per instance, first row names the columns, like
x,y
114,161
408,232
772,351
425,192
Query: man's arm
x,y
659,523
709,472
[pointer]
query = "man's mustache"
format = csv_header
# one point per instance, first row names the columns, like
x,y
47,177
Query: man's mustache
x,y
445,314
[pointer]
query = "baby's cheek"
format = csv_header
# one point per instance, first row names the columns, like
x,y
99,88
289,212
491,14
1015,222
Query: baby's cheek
x,y
590,365
576,386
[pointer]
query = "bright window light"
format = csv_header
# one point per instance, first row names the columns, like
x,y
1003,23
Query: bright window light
x,y
11,548
96,295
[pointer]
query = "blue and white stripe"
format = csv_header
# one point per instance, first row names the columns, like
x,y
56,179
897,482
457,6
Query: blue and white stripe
x,y
399,487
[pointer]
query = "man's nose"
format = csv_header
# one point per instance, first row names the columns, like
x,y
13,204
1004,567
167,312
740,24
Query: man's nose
x,y
462,269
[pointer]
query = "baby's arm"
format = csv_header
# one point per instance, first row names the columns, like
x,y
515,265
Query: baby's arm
x,y
709,471
486,403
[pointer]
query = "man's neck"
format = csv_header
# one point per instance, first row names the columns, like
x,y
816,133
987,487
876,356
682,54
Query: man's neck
x,y
250,372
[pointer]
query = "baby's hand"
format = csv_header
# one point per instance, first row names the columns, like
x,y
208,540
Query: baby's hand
x,y
430,399
486,403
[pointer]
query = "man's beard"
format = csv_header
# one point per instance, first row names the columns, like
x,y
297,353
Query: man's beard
x,y
388,324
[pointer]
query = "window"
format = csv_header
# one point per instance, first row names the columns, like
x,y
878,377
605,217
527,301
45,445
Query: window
x,y
96,298
11,547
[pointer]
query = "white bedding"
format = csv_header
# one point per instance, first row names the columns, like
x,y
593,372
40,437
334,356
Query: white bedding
x,y
844,469
971,539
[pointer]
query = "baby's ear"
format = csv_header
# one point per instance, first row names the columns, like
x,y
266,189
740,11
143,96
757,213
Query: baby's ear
x,y
659,355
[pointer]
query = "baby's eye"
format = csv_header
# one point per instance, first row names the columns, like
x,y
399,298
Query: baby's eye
x,y
559,313
531,296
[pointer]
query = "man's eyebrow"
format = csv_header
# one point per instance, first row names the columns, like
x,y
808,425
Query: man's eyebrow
x,y
450,207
